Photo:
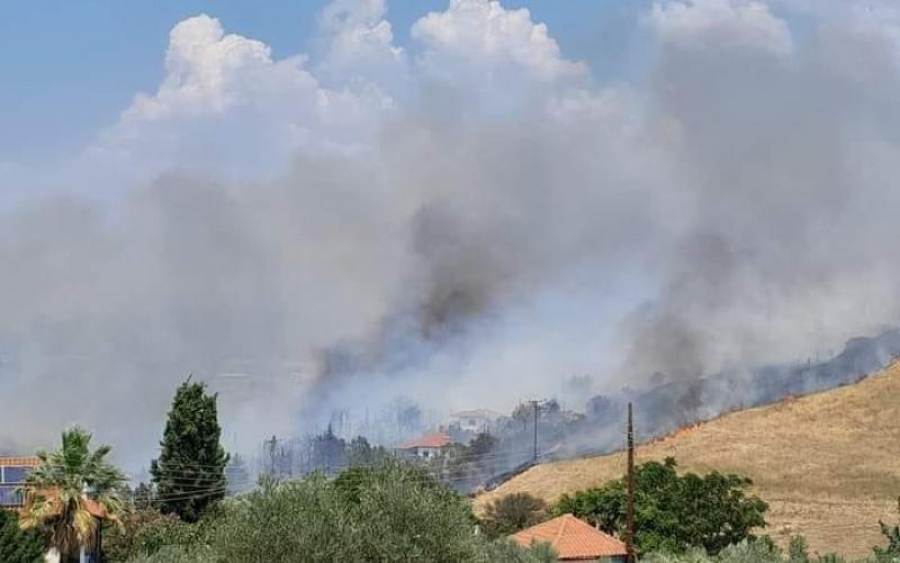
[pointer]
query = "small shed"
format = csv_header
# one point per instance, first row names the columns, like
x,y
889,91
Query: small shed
x,y
574,540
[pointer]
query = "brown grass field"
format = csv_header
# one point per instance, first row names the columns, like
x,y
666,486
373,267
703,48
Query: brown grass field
x,y
828,464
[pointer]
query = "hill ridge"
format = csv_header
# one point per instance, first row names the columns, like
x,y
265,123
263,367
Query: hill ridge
x,y
825,462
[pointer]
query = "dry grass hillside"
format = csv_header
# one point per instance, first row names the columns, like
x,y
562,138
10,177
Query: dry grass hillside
x,y
828,464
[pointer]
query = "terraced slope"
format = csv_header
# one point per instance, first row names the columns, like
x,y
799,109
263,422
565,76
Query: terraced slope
x,y
828,464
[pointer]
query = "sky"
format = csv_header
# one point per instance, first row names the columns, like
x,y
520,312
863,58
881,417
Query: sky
x,y
95,55
323,207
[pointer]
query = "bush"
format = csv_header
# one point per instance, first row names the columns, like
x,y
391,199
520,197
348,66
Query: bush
x,y
758,551
173,554
798,550
892,534
391,513
672,512
144,531
17,546
512,513
508,552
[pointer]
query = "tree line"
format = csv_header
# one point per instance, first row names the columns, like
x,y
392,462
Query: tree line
x,y
371,508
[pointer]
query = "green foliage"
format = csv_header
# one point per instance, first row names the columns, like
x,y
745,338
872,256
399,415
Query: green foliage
x,y
143,496
144,531
394,512
18,546
509,552
798,550
174,554
471,465
190,473
892,534
512,513
672,512
761,550
361,453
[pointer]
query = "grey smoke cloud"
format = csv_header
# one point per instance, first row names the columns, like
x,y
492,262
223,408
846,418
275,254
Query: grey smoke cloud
x,y
735,208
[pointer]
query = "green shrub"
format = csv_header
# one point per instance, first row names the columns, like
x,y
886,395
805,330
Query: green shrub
x,y
673,512
391,513
144,531
174,554
512,513
17,546
504,550
757,551
798,550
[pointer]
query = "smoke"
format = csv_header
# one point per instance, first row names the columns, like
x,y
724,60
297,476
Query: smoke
x,y
467,221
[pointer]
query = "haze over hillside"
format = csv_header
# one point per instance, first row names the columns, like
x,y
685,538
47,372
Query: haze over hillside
x,y
466,211
826,463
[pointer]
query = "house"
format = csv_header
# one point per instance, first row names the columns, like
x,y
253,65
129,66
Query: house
x,y
574,540
13,471
427,446
474,421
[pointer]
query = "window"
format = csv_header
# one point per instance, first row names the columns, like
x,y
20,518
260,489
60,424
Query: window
x,y
10,496
15,474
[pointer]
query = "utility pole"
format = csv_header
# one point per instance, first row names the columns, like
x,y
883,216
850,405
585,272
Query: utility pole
x,y
629,517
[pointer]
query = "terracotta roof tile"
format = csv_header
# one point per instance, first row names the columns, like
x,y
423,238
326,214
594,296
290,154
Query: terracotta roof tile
x,y
436,440
572,539
25,461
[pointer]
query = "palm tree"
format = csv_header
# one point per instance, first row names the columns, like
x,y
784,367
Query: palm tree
x,y
71,492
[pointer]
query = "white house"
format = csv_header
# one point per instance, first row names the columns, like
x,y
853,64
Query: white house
x,y
474,421
427,446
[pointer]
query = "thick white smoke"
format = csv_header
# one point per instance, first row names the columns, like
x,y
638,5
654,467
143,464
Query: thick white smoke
x,y
467,221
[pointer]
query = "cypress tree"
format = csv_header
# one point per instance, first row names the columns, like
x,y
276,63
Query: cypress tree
x,y
190,472
17,546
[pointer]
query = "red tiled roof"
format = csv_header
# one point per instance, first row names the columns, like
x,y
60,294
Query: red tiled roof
x,y
28,461
436,440
572,539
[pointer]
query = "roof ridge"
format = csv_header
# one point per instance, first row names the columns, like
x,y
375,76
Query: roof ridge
x,y
562,527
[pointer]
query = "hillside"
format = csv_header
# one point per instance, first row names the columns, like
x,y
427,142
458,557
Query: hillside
x,y
828,464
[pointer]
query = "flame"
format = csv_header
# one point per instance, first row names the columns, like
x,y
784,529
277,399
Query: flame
x,y
679,432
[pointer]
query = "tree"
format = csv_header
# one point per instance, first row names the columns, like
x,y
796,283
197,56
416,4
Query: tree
x,y
361,453
512,513
143,496
523,413
892,535
18,546
68,491
329,452
674,512
190,472
368,514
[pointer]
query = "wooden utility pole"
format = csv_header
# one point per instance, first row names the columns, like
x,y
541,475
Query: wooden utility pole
x,y
629,503
536,405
